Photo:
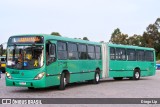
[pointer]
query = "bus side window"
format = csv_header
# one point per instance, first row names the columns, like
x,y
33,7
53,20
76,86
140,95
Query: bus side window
x,y
140,55
131,55
149,56
91,52
98,52
112,53
120,54
72,51
82,49
62,50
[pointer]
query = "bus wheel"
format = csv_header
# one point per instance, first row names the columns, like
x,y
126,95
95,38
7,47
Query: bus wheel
x,y
136,75
117,78
63,81
96,78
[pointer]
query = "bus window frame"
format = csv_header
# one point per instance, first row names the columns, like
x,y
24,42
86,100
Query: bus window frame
x,y
71,51
152,57
85,53
137,58
66,50
127,58
121,55
98,53
94,52
113,54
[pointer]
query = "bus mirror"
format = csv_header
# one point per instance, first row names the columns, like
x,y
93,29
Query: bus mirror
x,y
1,50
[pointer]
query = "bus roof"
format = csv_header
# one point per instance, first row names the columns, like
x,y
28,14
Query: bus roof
x,y
129,46
60,38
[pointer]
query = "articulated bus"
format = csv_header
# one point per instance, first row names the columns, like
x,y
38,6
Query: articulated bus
x,y
39,61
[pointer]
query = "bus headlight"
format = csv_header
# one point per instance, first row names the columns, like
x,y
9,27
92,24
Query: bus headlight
x,y
8,75
39,76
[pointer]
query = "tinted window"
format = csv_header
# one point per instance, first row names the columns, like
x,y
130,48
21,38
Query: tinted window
x,y
131,55
112,53
82,49
149,56
72,51
120,54
91,52
140,55
98,49
98,52
61,46
72,47
90,48
62,50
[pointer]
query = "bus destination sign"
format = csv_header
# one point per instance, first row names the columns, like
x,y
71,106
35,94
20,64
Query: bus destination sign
x,y
26,39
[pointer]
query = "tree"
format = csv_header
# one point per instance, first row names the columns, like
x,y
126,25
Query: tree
x,y
148,40
85,38
113,38
55,34
158,56
157,23
152,36
136,40
118,38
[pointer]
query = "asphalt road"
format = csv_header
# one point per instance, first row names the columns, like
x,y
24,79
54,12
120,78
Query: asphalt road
x,y
146,87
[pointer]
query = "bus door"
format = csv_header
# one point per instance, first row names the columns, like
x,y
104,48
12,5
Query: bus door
x,y
51,63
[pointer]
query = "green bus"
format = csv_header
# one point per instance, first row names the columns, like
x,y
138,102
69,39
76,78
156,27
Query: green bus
x,y
39,61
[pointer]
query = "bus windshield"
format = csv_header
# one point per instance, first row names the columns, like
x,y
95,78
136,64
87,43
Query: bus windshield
x,y
25,57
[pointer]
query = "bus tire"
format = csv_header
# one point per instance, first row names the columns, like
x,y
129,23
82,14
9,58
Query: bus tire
x,y
63,81
117,78
136,75
96,78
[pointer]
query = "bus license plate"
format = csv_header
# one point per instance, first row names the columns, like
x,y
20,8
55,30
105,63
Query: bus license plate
x,y
22,83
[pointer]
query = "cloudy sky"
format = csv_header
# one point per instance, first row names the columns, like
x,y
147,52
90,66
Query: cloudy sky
x,y
95,19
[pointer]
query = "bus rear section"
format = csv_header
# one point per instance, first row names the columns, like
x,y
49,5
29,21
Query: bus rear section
x,y
130,62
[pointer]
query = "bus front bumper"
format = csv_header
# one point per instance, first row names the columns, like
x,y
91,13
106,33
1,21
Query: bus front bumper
x,y
26,83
